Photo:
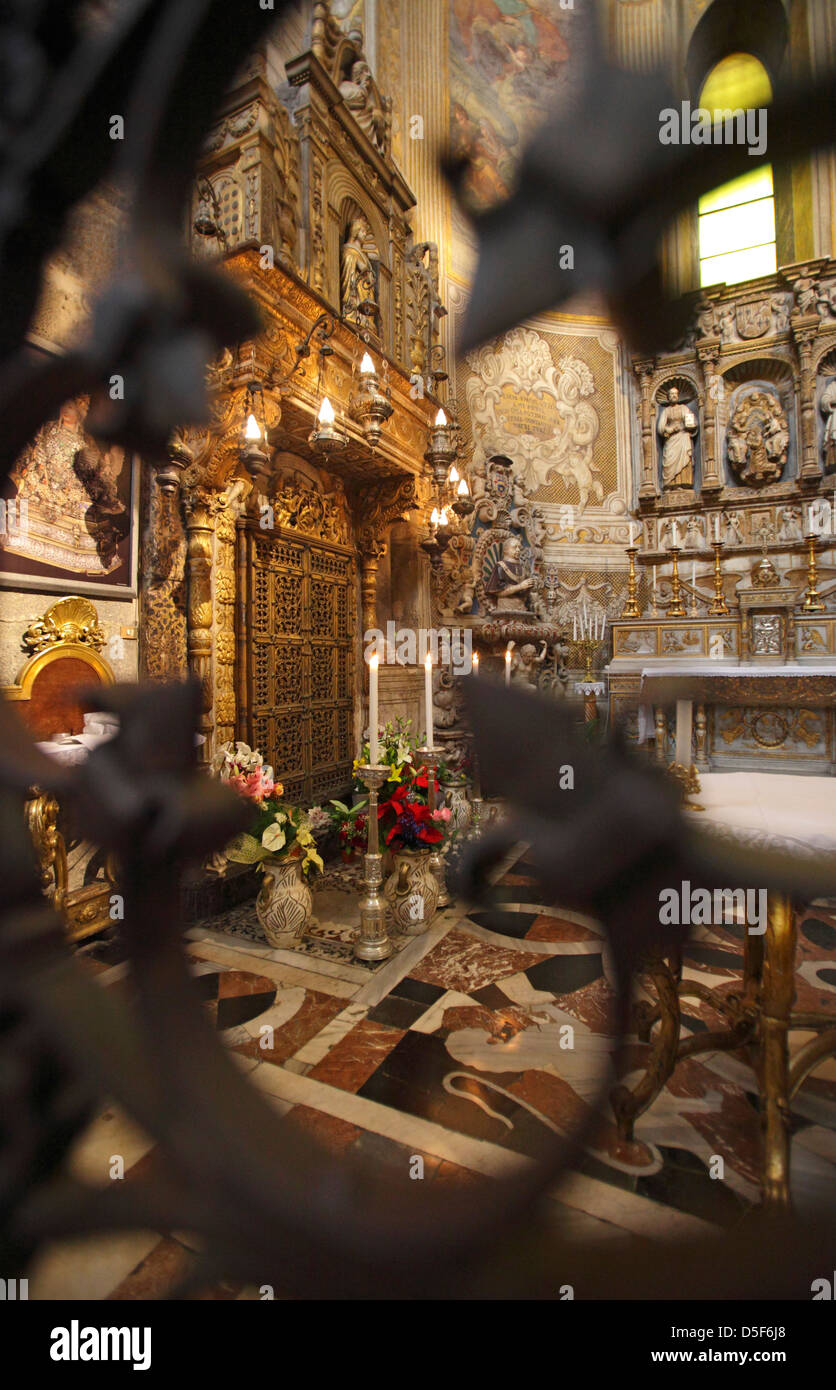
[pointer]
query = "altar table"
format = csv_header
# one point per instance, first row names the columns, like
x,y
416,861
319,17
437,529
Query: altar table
x,y
754,690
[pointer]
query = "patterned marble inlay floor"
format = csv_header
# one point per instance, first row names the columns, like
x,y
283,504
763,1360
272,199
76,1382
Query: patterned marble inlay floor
x,y
471,1047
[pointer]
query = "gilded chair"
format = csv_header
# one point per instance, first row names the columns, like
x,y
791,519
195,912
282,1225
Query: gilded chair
x,y
64,659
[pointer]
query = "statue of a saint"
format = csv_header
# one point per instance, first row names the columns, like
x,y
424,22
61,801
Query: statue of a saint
x,y
359,288
677,425
828,406
507,579
359,95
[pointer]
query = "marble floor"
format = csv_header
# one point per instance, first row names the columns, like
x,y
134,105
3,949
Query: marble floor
x,y
471,1046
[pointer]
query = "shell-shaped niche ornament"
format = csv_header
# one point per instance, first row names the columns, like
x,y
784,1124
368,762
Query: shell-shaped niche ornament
x,y
71,619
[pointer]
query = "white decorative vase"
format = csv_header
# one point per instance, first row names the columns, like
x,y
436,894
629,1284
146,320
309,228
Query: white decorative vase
x,y
284,903
411,892
461,811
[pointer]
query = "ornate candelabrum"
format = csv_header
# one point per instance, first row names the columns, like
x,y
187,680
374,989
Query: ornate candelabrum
x,y
719,608
631,607
587,646
430,756
812,598
675,607
373,942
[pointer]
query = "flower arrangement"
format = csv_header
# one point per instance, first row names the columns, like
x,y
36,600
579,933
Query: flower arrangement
x,y
352,823
407,821
278,831
397,749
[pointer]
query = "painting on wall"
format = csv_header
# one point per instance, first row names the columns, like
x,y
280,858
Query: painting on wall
x,y
509,60
68,515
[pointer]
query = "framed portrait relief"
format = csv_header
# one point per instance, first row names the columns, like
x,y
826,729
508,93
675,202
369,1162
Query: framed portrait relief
x,y
68,518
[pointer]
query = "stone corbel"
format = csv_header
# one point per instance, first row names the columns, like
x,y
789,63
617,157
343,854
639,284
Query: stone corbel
x,y
708,353
644,368
804,329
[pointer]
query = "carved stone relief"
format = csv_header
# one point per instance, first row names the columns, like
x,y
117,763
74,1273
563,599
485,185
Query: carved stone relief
x,y
757,439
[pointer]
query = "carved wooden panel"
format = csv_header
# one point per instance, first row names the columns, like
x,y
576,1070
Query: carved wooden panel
x,y
300,643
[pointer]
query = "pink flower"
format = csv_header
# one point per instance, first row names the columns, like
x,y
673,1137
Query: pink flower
x,y
253,785
443,813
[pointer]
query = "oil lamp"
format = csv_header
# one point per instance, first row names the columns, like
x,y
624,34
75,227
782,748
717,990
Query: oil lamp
x,y
370,406
463,504
326,437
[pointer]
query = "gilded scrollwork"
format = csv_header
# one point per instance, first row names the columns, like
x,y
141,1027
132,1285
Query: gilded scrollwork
x,y
69,620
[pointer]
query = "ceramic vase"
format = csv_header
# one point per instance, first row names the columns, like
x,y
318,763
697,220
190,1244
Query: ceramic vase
x,y
411,892
461,811
284,903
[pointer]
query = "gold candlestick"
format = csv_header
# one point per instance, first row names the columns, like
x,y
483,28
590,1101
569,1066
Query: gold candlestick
x,y
675,608
373,942
719,608
586,646
812,598
430,756
631,607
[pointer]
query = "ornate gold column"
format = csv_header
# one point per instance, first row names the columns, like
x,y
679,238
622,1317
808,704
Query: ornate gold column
x,y
804,329
708,352
163,623
644,368
200,508
370,552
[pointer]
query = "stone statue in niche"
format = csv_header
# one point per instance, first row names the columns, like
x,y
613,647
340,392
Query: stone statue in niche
x,y
758,439
790,528
358,278
361,98
694,538
677,427
828,408
734,528
507,585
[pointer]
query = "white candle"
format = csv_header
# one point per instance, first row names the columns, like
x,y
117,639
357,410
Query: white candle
x,y
603,625
374,750
810,519
674,534
428,697
574,627
475,663
507,665
632,532
717,528
654,579
693,574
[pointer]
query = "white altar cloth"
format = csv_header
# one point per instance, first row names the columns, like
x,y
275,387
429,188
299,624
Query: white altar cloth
x,y
770,811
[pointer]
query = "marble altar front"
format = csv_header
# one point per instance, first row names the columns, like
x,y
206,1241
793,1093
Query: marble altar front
x,y
683,685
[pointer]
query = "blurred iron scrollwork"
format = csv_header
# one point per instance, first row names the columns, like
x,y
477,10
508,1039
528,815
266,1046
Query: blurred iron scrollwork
x,y
268,1203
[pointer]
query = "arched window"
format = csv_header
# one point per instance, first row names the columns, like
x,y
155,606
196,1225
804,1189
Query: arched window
x,y
737,221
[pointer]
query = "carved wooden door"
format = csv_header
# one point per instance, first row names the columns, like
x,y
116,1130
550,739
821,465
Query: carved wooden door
x,y
300,655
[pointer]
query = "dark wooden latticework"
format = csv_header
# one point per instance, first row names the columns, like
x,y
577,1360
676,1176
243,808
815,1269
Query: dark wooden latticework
x,y
299,644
